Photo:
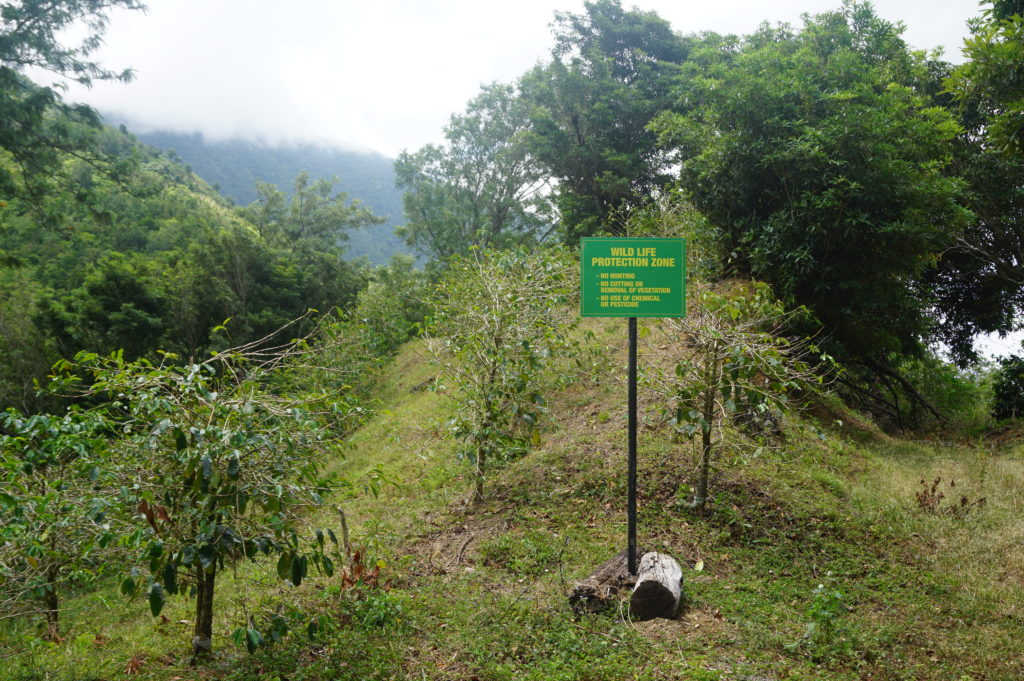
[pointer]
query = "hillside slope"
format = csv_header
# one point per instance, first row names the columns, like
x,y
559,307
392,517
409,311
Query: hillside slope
x,y
235,166
816,561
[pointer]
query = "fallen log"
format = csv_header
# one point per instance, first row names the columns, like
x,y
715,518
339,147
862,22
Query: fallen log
x,y
659,587
597,591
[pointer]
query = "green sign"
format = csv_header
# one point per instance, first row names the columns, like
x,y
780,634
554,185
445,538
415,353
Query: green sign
x,y
632,277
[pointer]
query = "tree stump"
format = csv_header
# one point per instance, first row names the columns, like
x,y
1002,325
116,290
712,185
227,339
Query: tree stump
x,y
597,591
659,587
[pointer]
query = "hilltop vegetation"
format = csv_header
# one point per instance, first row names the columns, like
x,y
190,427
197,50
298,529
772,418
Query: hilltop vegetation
x,y
236,167
229,452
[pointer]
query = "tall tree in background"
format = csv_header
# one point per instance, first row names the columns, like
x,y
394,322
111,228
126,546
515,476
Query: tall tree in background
x,y
481,188
978,284
610,75
992,77
821,164
30,37
313,217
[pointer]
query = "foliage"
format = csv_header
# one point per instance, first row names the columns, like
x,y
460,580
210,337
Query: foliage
x,y
827,634
609,76
157,260
731,364
990,78
963,397
212,470
821,165
481,189
311,218
55,496
35,126
978,284
1008,388
499,317
390,309
235,166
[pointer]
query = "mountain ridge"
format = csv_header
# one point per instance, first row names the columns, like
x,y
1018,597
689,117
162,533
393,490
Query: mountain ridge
x,y
234,166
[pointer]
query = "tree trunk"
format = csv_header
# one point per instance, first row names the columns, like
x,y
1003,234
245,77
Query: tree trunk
x,y
597,591
481,459
52,602
706,444
659,587
202,639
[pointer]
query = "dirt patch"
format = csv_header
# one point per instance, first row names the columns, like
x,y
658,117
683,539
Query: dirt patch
x,y
705,622
451,549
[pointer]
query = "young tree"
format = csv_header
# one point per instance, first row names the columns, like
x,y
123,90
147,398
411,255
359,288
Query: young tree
x,y
212,470
498,318
730,364
482,188
54,500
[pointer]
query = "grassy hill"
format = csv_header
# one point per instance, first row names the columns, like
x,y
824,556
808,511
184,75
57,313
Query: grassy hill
x,y
825,557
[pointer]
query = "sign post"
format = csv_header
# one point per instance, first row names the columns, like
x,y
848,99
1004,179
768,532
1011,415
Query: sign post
x,y
643,277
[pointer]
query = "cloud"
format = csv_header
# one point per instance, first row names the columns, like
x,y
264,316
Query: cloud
x,y
382,75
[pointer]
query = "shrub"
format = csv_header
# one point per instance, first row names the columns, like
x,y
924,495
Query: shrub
x,y
499,318
1008,388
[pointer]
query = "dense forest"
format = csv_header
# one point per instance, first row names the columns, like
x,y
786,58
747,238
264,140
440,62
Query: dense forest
x,y
235,167
207,397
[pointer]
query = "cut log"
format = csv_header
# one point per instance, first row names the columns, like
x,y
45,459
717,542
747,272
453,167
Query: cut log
x,y
659,587
597,591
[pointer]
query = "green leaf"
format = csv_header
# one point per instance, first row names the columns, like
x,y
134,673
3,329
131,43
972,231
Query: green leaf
x,y
180,441
170,578
298,569
207,555
233,467
284,565
156,598
128,587
328,566
253,639
206,466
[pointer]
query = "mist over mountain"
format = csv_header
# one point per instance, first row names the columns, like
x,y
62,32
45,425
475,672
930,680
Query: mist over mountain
x,y
235,166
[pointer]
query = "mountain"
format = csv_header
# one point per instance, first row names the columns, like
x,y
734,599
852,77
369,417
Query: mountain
x,y
235,166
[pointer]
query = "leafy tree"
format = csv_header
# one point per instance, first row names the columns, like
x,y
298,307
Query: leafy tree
x,y
30,36
313,217
115,308
482,188
498,319
1008,388
991,76
822,168
611,73
214,470
391,308
978,284
54,502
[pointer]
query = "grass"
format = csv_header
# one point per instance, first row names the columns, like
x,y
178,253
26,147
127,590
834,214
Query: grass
x,y
816,561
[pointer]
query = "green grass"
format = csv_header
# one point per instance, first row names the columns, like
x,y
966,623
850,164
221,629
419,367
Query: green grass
x,y
479,591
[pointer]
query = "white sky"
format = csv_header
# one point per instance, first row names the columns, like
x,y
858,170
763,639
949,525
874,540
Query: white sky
x,y
382,74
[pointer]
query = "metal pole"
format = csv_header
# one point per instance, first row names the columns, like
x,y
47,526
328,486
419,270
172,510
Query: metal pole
x,y
631,502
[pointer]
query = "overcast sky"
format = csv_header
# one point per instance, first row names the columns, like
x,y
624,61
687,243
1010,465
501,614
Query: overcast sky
x,y
382,74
